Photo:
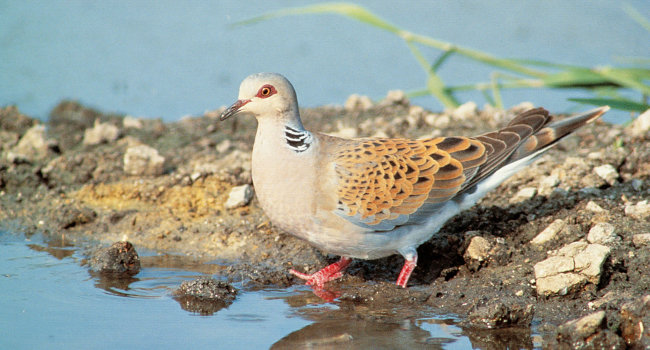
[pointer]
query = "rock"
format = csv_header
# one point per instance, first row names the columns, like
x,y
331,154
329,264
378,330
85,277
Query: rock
x,y
562,284
608,173
478,249
641,210
502,315
589,262
224,146
32,146
13,121
594,207
553,266
344,131
396,97
589,332
635,323
118,259
524,194
358,103
438,121
570,267
637,184
549,233
72,215
603,233
100,133
131,122
465,111
641,124
205,295
239,196
547,184
641,239
143,160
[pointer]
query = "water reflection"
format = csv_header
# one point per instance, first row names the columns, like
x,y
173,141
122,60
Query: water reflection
x,y
291,317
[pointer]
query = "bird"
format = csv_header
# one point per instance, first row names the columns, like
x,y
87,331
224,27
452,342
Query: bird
x,y
368,198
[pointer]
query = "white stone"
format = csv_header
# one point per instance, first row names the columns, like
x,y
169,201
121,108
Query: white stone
x,y
396,97
641,210
641,239
441,121
560,284
607,172
239,196
358,103
131,122
553,266
465,111
478,248
143,160
641,124
32,146
101,132
590,261
524,194
602,233
594,207
549,232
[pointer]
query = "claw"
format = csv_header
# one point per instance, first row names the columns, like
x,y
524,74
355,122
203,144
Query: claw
x,y
324,275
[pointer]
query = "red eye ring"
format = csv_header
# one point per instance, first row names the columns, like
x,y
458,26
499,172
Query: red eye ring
x,y
266,91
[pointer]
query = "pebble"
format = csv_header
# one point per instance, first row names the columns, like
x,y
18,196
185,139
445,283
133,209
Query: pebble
x,y
131,122
641,239
358,103
120,258
570,267
224,146
205,295
478,249
524,194
32,146
465,111
239,196
603,233
549,233
607,172
143,160
582,327
396,97
439,121
594,207
640,210
100,133
641,124
344,131
548,184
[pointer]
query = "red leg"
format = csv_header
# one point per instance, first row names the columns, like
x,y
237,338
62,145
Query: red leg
x,y
326,274
409,264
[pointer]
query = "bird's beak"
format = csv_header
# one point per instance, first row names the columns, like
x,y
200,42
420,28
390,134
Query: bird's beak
x,y
232,110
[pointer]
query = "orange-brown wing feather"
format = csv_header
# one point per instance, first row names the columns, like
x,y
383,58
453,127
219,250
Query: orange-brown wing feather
x,y
384,178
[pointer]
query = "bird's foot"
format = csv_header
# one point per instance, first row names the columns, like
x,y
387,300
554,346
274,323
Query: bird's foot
x,y
324,275
409,265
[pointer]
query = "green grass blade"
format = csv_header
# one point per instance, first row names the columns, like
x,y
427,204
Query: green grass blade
x,y
622,104
637,16
345,9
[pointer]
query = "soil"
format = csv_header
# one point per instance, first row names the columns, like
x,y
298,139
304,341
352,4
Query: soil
x,y
82,191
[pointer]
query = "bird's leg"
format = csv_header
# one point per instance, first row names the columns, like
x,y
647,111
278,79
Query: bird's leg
x,y
411,260
326,274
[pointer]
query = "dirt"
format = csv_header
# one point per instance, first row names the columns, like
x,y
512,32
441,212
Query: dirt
x,y
80,191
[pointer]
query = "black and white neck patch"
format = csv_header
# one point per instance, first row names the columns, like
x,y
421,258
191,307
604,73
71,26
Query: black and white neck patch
x,y
297,140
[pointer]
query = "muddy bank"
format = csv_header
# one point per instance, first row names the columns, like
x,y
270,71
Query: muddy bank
x,y
566,239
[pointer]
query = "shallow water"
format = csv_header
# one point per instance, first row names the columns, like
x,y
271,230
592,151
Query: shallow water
x,y
48,299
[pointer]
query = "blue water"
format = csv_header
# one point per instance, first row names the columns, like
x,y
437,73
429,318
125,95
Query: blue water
x,y
48,300
169,58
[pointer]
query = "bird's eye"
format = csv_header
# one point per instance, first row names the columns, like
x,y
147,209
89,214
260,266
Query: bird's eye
x,y
266,91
